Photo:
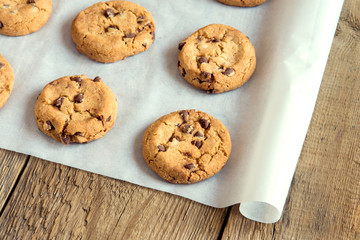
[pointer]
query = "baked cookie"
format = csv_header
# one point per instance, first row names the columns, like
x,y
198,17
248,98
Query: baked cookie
x,y
111,31
243,3
21,17
6,80
76,109
216,58
186,146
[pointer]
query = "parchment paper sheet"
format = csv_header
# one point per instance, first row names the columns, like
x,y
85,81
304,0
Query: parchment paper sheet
x,y
267,118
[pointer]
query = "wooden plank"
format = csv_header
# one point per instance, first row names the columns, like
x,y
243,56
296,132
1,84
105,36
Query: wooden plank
x,y
324,199
11,165
239,227
52,200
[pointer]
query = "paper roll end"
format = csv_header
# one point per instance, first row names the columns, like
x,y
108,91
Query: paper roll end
x,y
260,212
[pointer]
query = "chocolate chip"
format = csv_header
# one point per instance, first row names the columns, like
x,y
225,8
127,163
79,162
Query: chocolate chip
x,y
198,134
199,38
108,119
178,63
97,79
144,45
49,126
185,115
30,1
79,98
109,13
211,91
80,134
175,137
153,35
189,166
204,123
183,73
187,154
203,60
65,138
59,102
215,40
228,71
1,25
1,65
205,75
112,27
100,118
187,129
130,35
161,148
198,144
140,19
76,79
181,45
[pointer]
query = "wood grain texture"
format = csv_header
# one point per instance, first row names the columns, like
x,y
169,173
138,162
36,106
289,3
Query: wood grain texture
x,y
324,198
55,201
11,165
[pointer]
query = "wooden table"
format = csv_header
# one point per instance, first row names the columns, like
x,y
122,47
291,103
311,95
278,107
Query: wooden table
x,y
44,200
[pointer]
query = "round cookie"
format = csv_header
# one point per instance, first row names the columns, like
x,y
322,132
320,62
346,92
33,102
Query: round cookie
x,y
243,3
186,146
21,17
6,80
111,31
216,58
76,109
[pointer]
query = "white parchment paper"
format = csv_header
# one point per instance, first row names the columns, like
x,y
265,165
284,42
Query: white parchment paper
x,y
267,118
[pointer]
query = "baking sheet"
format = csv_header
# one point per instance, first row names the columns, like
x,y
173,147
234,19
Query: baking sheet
x,y
267,118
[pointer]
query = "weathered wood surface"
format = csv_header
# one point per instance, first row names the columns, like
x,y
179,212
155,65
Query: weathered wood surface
x,y
43,200
11,165
55,201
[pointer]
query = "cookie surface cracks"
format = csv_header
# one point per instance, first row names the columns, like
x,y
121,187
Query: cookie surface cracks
x,y
243,3
186,146
6,80
111,31
76,109
21,17
216,58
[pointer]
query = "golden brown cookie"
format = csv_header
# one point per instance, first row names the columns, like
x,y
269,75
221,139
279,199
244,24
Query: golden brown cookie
x,y
111,31
243,3
186,146
216,58
6,80
76,109
21,17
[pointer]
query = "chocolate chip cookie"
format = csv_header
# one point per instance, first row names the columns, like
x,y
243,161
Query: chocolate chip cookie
x,y
186,146
216,58
111,31
6,80
76,109
243,3
21,17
